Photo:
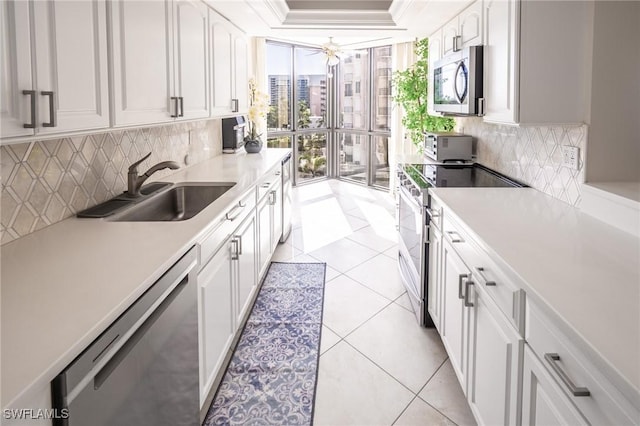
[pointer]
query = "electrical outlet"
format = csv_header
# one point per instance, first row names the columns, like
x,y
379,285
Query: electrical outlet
x,y
571,157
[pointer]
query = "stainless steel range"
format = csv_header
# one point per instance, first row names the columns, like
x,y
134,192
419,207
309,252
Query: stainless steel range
x,y
414,215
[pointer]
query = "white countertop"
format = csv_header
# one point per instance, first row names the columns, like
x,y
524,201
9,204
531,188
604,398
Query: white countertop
x,y
63,285
586,272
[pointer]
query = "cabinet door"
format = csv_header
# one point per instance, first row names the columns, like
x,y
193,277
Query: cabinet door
x,y
15,69
277,216
500,61
241,72
71,55
221,60
142,69
470,25
449,33
216,316
543,402
192,58
264,233
246,274
434,296
494,353
454,314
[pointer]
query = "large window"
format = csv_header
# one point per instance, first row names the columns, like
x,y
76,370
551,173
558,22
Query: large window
x,y
336,119
364,116
298,106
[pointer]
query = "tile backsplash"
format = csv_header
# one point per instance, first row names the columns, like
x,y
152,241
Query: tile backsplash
x,y
44,182
532,155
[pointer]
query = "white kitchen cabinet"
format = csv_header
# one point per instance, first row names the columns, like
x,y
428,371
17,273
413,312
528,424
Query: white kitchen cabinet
x,y
464,30
216,315
530,77
435,53
454,323
543,402
494,352
229,62
54,67
160,62
269,212
246,266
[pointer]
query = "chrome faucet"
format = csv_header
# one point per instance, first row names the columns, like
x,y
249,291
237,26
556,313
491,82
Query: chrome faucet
x,y
134,182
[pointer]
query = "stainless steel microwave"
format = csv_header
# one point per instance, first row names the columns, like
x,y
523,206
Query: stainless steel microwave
x,y
457,83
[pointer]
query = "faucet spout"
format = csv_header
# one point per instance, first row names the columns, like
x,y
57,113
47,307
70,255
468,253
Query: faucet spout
x,y
134,182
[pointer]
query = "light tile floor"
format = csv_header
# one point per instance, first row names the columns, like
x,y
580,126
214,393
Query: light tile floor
x,y
377,366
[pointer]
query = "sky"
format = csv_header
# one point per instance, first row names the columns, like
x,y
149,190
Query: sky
x,y
279,60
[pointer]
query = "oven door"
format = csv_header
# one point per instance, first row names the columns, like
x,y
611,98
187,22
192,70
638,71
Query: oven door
x,y
412,248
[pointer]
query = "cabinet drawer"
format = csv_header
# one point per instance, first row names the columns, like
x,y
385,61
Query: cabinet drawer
x,y
269,181
580,379
223,229
486,273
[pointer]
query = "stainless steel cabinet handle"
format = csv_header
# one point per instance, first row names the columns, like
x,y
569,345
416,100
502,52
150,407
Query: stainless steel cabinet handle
x,y
234,105
235,212
460,278
456,41
52,110
273,195
239,240
235,252
486,281
455,240
32,124
181,101
552,359
466,294
175,106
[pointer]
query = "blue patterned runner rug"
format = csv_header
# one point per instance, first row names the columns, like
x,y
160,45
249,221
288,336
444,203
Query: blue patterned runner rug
x,y
271,378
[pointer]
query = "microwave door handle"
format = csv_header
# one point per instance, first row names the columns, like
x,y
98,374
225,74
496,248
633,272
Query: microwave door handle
x,y
460,69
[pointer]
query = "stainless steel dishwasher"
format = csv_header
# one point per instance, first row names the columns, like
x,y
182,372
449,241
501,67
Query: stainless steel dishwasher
x,y
286,197
143,370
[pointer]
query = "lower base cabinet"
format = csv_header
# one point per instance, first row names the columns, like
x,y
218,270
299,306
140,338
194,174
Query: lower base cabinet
x,y
543,402
216,322
494,353
245,266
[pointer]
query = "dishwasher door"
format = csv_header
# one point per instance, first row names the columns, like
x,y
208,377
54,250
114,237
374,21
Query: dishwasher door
x,y
286,198
143,370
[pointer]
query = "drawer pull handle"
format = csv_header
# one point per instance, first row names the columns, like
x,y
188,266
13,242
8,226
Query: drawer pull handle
x,y
466,294
486,281
235,212
455,240
460,278
235,249
551,358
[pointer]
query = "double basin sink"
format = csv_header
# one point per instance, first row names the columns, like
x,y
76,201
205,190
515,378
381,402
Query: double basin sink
x,y
160,202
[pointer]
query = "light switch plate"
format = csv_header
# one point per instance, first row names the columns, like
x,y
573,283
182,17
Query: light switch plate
x,y
571,157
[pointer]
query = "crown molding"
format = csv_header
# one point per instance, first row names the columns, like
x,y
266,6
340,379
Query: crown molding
x,y
343,18
278,8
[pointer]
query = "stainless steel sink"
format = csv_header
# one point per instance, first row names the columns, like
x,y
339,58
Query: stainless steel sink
x,y
181,202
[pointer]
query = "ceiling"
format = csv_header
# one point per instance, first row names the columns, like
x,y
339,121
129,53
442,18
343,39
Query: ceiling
x,y
352,23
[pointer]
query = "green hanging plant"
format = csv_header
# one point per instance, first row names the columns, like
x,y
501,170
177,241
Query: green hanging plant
x,y
410,91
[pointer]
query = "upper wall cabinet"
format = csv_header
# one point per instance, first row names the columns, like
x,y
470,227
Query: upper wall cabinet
x,y
536,61
54,67
463,30
229,62
160,61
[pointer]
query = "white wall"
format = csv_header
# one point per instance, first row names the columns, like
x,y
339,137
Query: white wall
x,y
613,146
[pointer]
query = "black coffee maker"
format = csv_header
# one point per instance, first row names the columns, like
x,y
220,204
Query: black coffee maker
x,y
233,133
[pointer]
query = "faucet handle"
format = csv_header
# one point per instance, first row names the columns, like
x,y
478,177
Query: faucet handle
x,y
134,167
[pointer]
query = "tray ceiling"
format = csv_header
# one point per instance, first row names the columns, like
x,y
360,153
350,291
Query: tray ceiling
x,y
356,23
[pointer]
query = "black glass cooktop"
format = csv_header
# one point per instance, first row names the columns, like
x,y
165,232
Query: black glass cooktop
x,y
457,175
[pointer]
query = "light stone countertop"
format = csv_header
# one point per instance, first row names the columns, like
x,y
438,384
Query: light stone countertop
x,y
584,272
65,284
